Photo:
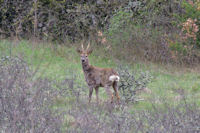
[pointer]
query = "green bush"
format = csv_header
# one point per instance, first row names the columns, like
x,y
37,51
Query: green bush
x,y
142,27
120,23
190,11
54,20
130,84
178,46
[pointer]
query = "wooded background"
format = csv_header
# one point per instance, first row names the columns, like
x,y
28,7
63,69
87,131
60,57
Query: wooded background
x,y
161,30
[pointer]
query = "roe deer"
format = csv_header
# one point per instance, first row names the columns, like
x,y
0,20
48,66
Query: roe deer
x,y
98,77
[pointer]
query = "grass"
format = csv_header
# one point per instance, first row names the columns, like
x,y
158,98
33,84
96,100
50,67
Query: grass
x,y
59,62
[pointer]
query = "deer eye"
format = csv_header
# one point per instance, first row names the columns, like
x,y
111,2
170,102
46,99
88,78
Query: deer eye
x,y
86,56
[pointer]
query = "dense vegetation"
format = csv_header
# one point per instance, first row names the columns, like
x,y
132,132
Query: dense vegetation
x,y
44,91
153,44
162,30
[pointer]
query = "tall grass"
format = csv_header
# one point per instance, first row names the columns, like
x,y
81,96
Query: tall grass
x,y
62,61
171,92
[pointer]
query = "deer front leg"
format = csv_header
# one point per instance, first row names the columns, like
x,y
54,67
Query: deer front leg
x,y
109,93
97,93
90,93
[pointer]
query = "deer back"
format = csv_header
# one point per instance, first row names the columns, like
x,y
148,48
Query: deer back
x,y
100,77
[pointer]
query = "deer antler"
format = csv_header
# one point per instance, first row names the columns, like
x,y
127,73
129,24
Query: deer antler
x,y
88,46
82,46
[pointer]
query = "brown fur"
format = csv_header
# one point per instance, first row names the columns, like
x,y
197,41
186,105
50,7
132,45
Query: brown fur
x,y
97,77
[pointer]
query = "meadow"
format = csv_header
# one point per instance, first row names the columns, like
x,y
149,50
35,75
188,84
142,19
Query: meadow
x,y
171,87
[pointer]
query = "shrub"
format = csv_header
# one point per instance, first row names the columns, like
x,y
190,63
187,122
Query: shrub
x,y
190,22
55,20
115,119
119,22
161,31
30,104
190,29
129,84
26,102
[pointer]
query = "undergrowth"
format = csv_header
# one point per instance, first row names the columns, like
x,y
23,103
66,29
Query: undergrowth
x,y
36,104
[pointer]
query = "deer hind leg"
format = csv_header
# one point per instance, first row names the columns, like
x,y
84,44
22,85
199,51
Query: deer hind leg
x,y
90,94
109,93
115,90
97,94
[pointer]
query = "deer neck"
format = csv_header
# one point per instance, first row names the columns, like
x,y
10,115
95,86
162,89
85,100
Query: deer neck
x,y
85,66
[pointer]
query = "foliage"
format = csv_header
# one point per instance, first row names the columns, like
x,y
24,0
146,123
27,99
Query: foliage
x,y
119,21
190,29
184,46
113,119
141,27
129,85
191,9
54,20
25,102
156,31
190,22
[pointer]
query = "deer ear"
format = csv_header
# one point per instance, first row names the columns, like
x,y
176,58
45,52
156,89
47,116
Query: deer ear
x,y
78,50
89,51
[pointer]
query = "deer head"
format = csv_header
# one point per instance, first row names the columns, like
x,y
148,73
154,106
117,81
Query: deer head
x,y
84,53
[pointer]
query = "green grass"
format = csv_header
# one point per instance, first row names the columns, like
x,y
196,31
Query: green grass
x,y
61,61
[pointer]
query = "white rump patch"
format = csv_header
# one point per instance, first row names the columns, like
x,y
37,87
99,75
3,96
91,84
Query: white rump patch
x,y
114,78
